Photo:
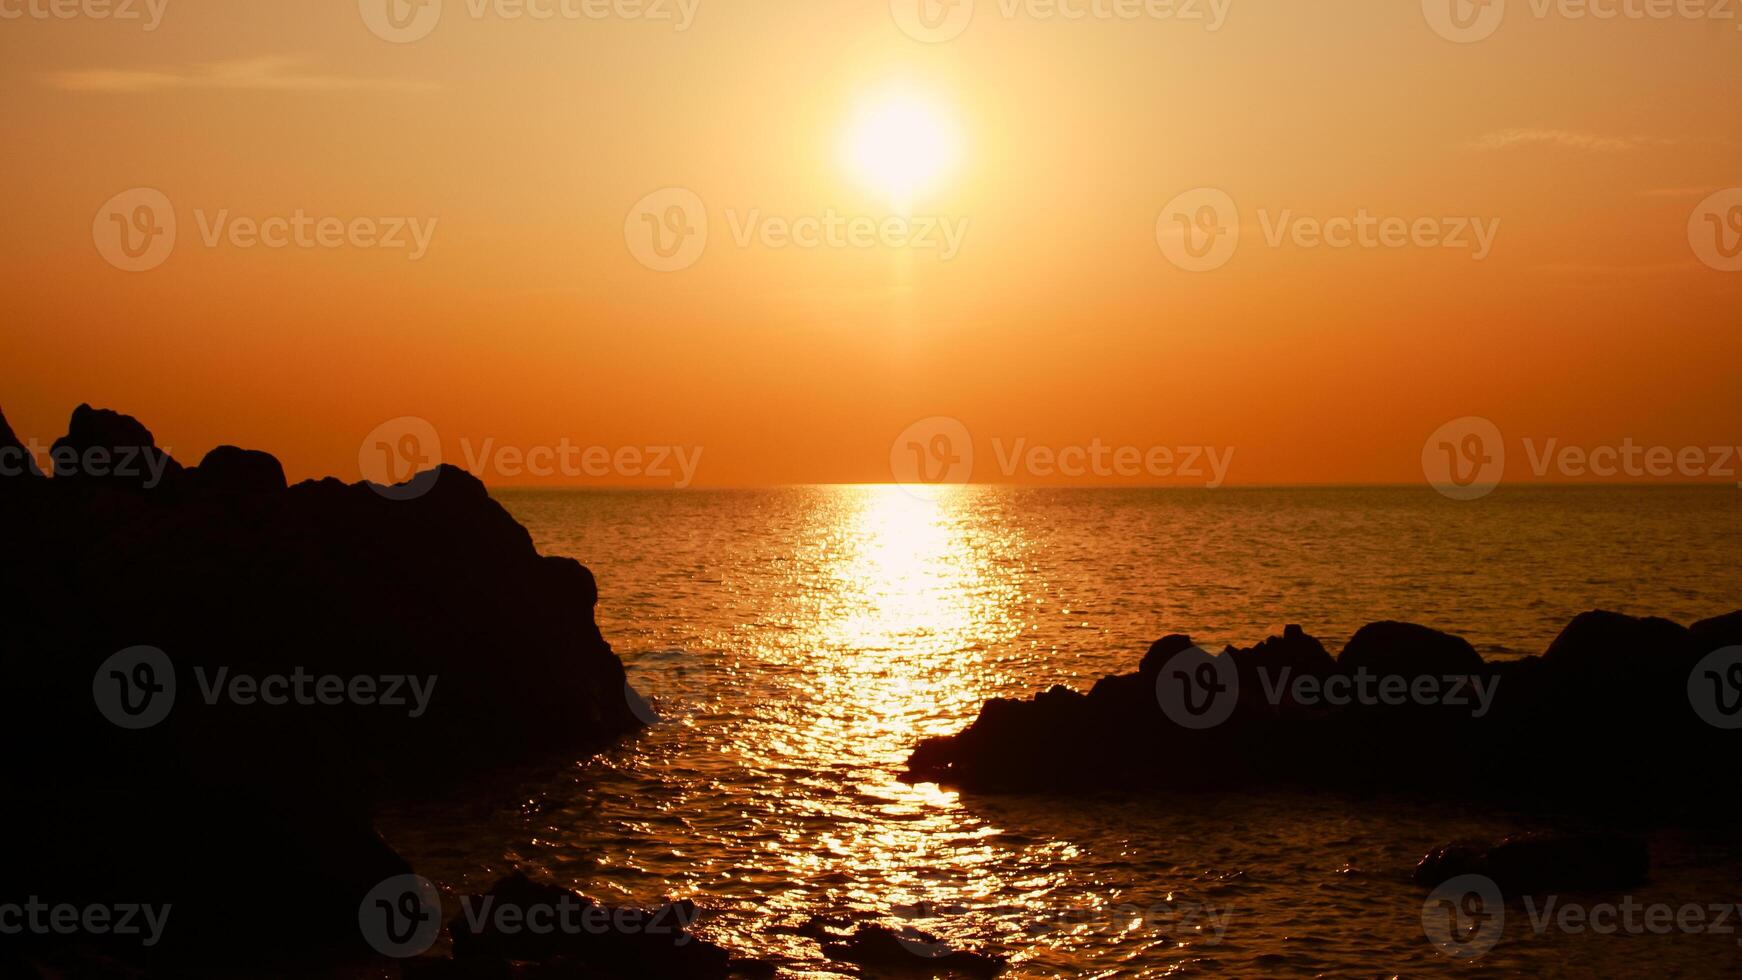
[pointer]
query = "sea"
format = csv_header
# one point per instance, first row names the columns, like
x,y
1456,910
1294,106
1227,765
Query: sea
x,y
792,645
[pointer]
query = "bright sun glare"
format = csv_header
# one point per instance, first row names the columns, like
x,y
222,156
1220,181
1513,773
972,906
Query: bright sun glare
x,y
901,145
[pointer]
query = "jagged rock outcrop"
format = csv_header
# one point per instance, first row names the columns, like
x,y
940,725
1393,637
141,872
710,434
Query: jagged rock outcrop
x,y
1615,712
322,642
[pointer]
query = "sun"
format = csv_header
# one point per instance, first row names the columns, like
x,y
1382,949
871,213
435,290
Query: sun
x,y
901,145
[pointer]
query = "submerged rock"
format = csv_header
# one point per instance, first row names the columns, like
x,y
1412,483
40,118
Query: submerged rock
x,y
523,920
1538,863
911,951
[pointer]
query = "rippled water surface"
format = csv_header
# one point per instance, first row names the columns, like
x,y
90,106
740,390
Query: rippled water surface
x,y
798,642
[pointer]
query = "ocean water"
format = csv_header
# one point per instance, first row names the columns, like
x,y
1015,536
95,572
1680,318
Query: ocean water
x,y
796,643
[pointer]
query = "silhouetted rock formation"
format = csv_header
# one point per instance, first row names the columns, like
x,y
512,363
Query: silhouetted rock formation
x,y
1618,710
1537,863
910,952
253,818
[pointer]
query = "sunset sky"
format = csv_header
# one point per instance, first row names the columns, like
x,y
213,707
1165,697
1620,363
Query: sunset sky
x,y
1051,145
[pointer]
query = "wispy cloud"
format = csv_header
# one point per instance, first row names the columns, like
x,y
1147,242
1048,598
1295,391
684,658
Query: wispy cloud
x,y
271,73
1504,139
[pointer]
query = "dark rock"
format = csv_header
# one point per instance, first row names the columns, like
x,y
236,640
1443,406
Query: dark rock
x,y
1613,689
579,931
910,951
113,449
1612,645
224,569
227,469
1275,666
1409,650
16,462
755,968
1538,863
1160,652
1717,633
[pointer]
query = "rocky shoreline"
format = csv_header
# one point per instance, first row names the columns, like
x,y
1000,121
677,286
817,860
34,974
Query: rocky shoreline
x,y
1618,712
214,675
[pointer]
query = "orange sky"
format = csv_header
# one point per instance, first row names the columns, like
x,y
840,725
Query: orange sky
x,y
1059,321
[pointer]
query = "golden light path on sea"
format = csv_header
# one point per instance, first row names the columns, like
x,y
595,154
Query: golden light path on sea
x,y
910,607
